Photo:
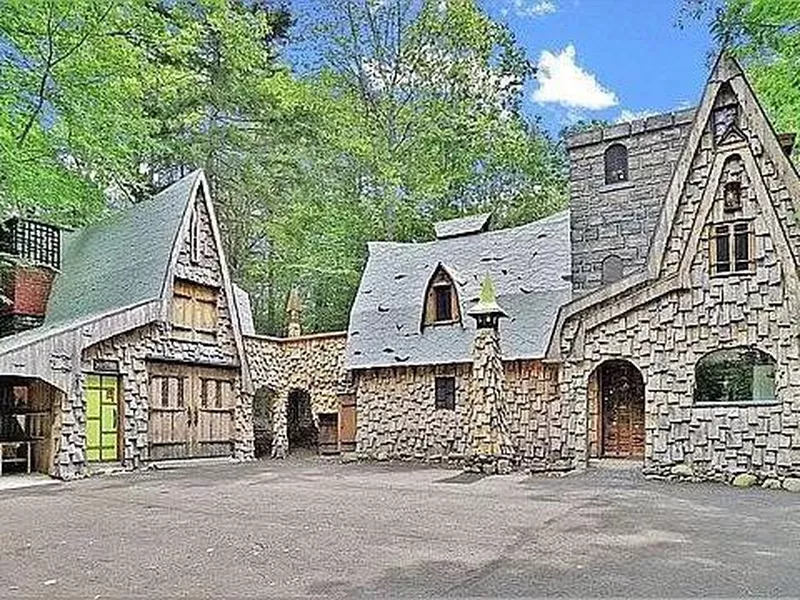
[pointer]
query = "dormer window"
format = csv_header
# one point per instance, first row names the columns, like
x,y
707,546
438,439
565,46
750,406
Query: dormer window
x,y
616,163
441,301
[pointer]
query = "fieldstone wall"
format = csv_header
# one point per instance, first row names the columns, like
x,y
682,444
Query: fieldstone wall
x,y
398,418
313,363
666,326
618,220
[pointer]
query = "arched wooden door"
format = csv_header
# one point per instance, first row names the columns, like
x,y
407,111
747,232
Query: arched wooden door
x,y
622,410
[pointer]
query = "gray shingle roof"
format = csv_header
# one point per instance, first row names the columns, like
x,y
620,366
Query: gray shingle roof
x,y
121,260
462,226
530,268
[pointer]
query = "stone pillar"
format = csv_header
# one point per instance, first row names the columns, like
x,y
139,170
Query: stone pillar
x,y
280,438
294,311
489,447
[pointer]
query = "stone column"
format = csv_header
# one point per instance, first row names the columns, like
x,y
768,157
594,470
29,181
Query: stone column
x,y
489,447
294,311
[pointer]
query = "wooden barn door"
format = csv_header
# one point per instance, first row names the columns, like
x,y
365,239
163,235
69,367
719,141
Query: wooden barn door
x,y
191,411
622,396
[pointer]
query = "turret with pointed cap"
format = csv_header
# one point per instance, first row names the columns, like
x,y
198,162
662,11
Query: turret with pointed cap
x,y
487,312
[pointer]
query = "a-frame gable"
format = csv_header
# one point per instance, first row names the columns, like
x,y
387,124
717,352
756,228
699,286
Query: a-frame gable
x,y
682,229
198,255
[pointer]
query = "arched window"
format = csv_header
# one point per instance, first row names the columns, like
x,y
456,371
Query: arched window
x,y
616,162
742,374
612,269
441,300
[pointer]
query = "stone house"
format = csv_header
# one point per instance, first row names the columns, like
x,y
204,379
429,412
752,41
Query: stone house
x,y
657,319
125,343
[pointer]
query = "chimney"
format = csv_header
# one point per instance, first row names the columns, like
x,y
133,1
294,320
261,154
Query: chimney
x,y
294,311
31,258
489,446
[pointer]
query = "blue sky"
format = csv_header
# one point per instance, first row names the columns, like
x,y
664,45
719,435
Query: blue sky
x,y
607,59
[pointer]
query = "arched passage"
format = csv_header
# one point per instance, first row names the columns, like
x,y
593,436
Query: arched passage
x,y
300,427
616,401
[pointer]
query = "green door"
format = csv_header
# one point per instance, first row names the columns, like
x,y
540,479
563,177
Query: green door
x,y
102,401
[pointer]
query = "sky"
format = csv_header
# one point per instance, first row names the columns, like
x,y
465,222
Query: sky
x,y
607,59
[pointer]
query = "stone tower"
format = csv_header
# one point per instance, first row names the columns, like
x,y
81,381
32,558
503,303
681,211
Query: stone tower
x,y
619,176
488,441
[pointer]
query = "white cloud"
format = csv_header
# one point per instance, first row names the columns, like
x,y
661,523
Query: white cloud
x,y
626,116
563,82
531,8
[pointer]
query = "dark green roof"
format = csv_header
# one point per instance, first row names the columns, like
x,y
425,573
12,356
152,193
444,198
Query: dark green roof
x,y
120,261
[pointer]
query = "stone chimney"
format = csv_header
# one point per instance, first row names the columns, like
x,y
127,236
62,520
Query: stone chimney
x,y
294,311
489,446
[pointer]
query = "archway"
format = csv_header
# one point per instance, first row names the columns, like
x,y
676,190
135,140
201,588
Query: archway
x,y
300,427
263,403
620,419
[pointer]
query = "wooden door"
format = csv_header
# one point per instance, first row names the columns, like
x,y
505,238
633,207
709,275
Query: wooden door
x,y
328,433
347,422
191,411
622,392
102,417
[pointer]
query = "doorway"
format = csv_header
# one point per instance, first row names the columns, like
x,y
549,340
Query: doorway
x,y
301,430
102,422
622,410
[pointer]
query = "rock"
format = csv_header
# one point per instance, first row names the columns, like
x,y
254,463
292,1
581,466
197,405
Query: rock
x,y
771,484
503,466
744,480
791,484
682,470
349,457
382,457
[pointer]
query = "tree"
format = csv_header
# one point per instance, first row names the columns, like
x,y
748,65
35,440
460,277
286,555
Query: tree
x,y
765,36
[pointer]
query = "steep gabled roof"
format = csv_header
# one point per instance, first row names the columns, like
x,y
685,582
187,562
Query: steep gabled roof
x,y
529,265
122,260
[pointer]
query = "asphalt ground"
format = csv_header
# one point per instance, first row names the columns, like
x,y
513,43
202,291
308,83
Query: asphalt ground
x,y
316,528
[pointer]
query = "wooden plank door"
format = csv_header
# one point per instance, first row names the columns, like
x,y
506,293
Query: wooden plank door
x,y
328,433
347,422
102,417
169,418
622,391
213,406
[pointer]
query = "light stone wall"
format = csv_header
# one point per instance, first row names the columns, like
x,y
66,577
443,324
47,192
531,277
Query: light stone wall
x,y
398,418
313,363
666,326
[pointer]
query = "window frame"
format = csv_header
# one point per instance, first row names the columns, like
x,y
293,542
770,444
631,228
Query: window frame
x,y
624,167
765,360
444,392
439,280
725,239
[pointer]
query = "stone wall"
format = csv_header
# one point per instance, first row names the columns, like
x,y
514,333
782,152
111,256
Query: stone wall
x,y
619,219
666,326
312,363
398,416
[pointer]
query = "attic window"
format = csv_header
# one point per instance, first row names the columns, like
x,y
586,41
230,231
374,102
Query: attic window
x,y
616,163
732,196
730,248
194,237
194,311
441,302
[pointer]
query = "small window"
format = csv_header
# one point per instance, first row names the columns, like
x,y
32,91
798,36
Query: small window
x,y
735,375
616,163
612,269
446,393
194,311
441,302
732,196
194,237
730,248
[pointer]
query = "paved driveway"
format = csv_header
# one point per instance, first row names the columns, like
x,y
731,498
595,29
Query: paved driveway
x,y
317,528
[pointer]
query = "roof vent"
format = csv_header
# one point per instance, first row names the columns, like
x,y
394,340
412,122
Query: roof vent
x,y
463,226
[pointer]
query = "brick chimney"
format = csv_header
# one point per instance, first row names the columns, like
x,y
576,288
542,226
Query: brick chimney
x,y
31,258
294,312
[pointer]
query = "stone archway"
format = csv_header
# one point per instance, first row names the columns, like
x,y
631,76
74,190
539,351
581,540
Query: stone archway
x,y
301,430
616,406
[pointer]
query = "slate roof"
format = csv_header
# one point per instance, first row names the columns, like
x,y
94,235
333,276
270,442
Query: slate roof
x,y
462,226
120,261
529,266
